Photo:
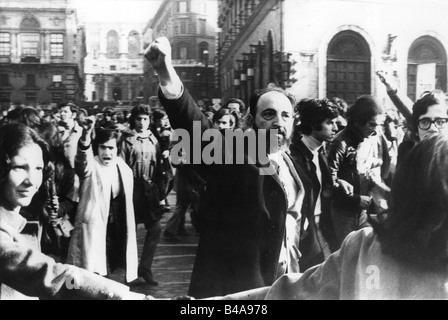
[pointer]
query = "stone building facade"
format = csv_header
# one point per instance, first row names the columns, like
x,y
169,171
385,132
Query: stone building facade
x,y
114,63
187,25
41,53
329,48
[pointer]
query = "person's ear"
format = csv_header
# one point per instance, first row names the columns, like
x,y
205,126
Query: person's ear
x,y
249,120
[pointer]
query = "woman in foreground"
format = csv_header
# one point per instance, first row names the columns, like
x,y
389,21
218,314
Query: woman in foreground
x,y
26,273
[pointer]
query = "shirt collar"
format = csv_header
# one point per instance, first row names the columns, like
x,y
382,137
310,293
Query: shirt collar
x,y
14,220
311,143
77,128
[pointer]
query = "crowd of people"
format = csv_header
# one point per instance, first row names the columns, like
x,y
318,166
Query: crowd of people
x,y
353,192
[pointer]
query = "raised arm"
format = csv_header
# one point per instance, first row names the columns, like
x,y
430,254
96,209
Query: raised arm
x,y
401,102
84,156
177,102
158,55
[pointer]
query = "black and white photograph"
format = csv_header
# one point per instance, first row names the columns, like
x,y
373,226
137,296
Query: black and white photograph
x,y
222,153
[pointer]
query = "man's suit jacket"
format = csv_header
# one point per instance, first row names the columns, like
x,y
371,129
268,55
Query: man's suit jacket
x,y
310,246
244,218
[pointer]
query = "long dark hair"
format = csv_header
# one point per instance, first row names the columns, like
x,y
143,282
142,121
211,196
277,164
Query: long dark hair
x,y
14,136
416,228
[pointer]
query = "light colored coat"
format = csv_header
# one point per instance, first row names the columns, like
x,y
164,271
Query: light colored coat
x,y
88,241
27,274
359,270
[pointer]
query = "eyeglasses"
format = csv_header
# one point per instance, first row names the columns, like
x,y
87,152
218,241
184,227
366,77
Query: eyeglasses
x,y
425,123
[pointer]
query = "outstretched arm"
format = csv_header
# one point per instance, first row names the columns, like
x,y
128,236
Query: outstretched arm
x,y
177,102
158,55
402,103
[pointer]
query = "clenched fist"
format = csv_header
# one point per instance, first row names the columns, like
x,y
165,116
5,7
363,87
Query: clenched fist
x,y
158,54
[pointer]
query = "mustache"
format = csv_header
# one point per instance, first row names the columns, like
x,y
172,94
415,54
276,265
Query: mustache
x,y
280,130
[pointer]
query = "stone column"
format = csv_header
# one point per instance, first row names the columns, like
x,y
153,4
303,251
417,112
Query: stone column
x,y
15,52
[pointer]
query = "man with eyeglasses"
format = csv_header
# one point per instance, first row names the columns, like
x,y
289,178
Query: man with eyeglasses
x,y
429,114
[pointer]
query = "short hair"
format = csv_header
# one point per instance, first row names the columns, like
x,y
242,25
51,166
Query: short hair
x,y
421,105
416,228
315,111
103,135
31,117
158,115
137,110
15,114
14,136
73,107
253,101
223,112
365,108
83,111
239,102
341,104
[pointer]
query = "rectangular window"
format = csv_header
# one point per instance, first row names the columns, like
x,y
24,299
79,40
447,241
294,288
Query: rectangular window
x,y
30,97
183,26
30,80
202,26
192,27
113,68
5,97
57,97
57,80
183,53
182,6
4,80
30,44
57,45
5,44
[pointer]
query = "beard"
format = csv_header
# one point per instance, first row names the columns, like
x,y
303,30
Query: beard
x,y
282,142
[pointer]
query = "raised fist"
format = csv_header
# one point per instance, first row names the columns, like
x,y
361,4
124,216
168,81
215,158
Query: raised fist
x,y
158,53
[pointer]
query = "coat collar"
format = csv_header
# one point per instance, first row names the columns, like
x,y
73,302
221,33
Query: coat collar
x,y
12,220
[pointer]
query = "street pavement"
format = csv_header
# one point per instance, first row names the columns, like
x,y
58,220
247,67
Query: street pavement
x,y
173,262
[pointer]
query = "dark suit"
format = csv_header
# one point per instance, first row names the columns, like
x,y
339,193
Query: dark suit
x,y
310,246
244,219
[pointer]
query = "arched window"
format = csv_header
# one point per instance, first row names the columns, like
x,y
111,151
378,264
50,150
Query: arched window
x,y
348,66
30,37
134,44
29,23
427,61
112,45
181,51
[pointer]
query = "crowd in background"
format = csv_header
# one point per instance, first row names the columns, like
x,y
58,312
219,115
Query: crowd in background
x,y
88,211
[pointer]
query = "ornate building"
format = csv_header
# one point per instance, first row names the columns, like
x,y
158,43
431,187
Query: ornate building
x,y
187,25
328,48
41,53
114,64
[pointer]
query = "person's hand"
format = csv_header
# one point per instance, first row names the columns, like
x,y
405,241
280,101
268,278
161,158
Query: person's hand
x,y
87,127
365,202
346,187
158,54
386,80
166,154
